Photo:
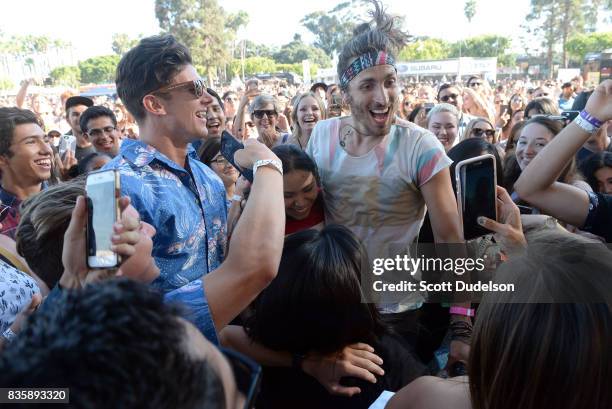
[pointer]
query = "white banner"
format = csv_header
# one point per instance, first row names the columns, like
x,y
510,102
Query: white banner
x,y
468,66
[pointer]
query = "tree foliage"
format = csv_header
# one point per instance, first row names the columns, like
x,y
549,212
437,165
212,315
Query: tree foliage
x,y
69,75
469,10
204,27
486,46
98,70
252,49
556,21
478,47
6,83
333,28
581,44
296,51
122,43
425,49
253,65
29,44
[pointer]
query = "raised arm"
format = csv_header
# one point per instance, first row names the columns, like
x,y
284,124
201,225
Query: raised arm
x,y
537,183
238,125
22,93
257,241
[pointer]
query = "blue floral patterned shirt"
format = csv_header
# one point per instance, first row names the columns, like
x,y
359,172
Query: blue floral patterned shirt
x,y
185,205
16,291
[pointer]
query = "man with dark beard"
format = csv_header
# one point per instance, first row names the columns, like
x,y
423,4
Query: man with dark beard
x,y
377,175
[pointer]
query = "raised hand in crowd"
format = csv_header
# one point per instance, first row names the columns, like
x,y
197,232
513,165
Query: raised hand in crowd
x,y
283,123
538,182
508,230
66,163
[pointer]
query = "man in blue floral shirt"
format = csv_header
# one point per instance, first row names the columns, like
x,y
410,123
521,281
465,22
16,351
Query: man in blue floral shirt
x,y
172,190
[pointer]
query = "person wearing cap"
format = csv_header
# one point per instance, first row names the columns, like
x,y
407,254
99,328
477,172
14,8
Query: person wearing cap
x,y
74,140
566,99
53,137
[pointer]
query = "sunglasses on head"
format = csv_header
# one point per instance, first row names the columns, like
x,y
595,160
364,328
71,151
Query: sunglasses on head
x,y
478,132
259,114
196,87
446,98
247,375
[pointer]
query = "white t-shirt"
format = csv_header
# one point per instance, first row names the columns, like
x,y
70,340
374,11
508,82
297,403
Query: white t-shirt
x,y
377,195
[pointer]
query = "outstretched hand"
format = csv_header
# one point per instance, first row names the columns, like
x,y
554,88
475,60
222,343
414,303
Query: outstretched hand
x,y
356,360
600,102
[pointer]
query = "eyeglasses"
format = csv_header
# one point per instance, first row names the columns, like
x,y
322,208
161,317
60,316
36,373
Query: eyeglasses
x,y
98,132
259,114
220,161
475,84
196,87
478,132
445,98
247,375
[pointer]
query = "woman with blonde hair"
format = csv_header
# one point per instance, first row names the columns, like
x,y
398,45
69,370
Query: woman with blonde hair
x,y
475,105
308,109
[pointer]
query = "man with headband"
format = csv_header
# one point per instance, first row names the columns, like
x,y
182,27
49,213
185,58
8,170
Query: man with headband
x,y
378,175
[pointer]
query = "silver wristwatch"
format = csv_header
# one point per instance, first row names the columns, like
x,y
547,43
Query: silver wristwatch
x,y
268,162
8,335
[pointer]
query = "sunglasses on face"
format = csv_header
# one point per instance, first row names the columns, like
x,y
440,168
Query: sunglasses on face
x,y
475,84
446,98
479,132
98,132
247,375
196,87
259,114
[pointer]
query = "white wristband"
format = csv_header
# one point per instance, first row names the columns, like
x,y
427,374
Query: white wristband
x,y
585,125
237,198
268,162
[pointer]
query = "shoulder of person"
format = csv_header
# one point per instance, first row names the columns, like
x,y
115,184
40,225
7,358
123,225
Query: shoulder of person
x,y
430,392
413,132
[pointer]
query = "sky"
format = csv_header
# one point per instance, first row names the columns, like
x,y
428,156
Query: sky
x,y
89,26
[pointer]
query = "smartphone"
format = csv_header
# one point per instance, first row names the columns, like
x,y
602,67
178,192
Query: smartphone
x,y
503,109
476,193
103,193
67,142
570,115
229,146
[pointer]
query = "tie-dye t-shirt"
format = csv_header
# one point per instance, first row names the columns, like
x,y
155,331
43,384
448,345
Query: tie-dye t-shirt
x,y
377,195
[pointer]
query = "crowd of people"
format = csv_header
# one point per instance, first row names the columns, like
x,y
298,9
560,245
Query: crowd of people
x,y
238,294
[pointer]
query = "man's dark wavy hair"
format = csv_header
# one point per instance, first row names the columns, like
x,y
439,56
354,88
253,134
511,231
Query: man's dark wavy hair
x,y
147,67
114,345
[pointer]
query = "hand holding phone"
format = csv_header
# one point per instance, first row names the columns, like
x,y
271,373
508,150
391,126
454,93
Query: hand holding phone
x,y
102,213
244,156
509,229
229,146
476,194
